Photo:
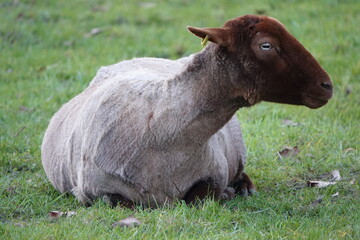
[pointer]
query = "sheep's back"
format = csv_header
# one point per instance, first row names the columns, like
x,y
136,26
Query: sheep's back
x,y
160,66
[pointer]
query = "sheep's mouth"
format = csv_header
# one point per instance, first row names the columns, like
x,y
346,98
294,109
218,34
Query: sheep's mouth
x,y
314,102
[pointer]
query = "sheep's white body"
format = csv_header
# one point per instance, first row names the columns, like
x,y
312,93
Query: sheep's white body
x,y
144,129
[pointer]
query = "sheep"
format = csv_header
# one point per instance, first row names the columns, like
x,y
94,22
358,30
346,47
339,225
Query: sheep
x,y
152,131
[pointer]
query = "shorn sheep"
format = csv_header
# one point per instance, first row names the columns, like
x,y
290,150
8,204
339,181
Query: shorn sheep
x,y
151,131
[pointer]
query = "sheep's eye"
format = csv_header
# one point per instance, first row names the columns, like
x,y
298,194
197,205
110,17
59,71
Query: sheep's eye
x,y
266,46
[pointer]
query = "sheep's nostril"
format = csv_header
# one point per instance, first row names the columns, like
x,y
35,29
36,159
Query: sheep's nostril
x,y
327,86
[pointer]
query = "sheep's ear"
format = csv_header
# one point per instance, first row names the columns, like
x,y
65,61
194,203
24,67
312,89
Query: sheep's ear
x,y
220,36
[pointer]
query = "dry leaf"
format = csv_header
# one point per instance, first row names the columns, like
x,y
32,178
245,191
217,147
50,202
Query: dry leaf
x,y
288,123
68,43
93,32
147,4
19,224
41,69
348,150
348,91
100,8
25,109
319,184
58,214
130,221
289,152
352,181
55,214
19,131
336,175
21,15
335,194
70,214
317,201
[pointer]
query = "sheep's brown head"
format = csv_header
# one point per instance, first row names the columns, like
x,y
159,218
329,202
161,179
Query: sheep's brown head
x,y
272,60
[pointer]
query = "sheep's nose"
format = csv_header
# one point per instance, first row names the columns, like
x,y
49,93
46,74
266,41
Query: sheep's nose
x,y
327,85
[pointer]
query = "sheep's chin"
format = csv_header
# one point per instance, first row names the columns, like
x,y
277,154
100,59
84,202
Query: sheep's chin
x,y
313,102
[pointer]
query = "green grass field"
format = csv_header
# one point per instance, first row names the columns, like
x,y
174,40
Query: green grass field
x,y
49,52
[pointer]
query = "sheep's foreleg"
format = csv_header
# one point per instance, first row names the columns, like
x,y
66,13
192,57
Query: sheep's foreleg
x,y
199,191
204,189
118,199
244,186
228,194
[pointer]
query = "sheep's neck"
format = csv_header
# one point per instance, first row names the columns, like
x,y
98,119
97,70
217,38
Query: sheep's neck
x,y
213,99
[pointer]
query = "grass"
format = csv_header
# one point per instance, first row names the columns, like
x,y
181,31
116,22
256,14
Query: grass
x,y
48,56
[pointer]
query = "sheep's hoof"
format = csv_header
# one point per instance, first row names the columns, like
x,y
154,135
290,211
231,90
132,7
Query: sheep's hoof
x,y
228,194
244,186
